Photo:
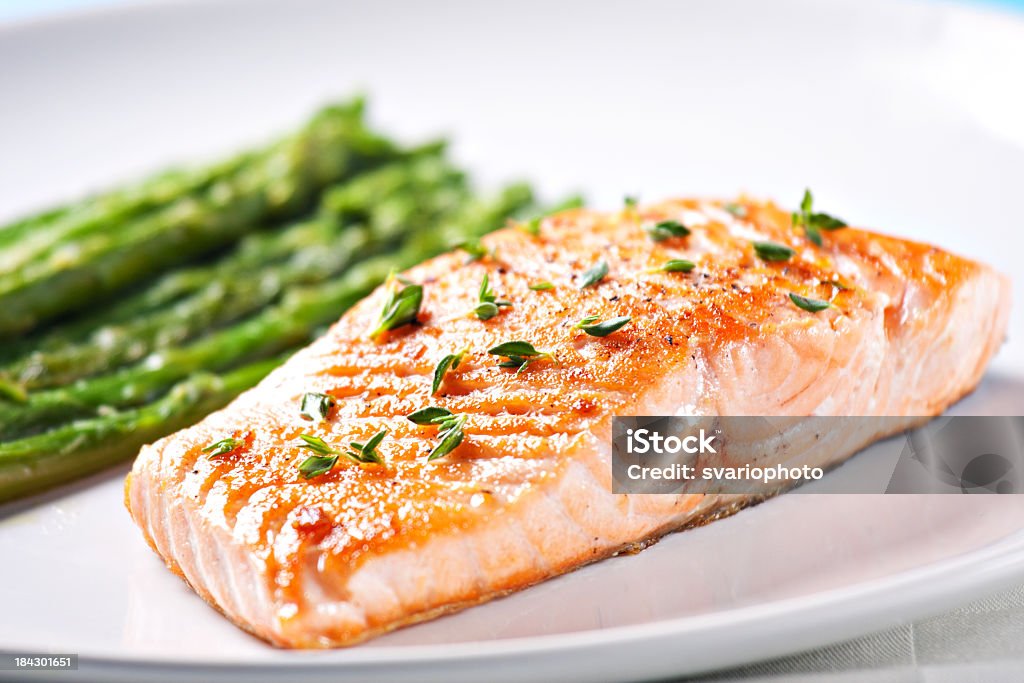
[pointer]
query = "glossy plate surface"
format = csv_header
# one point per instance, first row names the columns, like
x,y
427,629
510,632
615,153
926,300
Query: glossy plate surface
x,y
897,114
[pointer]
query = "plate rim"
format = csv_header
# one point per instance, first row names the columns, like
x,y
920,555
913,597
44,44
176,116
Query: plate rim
x,y
843,612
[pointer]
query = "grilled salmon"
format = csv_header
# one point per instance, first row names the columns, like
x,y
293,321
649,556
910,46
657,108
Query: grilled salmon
x,y
328,528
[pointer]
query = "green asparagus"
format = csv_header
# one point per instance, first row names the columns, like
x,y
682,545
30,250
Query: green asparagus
x,y
37,237
334,145
217,303
321,248
254,252
80,448
285,325
13,232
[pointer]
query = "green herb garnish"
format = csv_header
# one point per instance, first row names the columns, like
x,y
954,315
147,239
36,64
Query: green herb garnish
x,y
449,428
595,329
735,209
325,457
542,286
426,416
486,310
223,447
473,248
519,354
808,304
316,444
488,306
532,226
676,265
449,362
315,406
315,465
594,275
630,201
773,251
400,308
813,223
13,391
450,434
367,452
663,230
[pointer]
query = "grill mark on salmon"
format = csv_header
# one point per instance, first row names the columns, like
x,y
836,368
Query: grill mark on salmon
x,y
365,549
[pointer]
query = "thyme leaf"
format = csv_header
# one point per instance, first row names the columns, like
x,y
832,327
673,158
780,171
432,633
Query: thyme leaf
x,y
808,304
663,230
773,251
813,223
367,452
594,274
601,329
316,406
426,416
519,354
449,362
489,303
400,308
676,265
223,447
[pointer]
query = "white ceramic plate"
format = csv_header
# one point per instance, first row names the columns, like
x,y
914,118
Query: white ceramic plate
x,y
900,115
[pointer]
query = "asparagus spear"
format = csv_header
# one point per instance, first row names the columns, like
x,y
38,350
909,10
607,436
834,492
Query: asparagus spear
x,y
17,230
38,235
80,448
217,303
282,327
35,237
254,252
320,249
334,145
290,323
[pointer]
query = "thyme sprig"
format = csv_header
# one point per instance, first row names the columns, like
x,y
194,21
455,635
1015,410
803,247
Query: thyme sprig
x,y
325,457
676,265
809,304
518,354
488,304
450,428
663,230
449,362
591,326
316,406
224,446
594,274
401,306
814,222
773,251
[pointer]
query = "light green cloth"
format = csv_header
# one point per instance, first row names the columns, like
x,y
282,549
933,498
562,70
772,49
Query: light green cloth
x,y
983,641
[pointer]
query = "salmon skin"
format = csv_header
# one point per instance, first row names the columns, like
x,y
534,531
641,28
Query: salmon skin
x,y
364,548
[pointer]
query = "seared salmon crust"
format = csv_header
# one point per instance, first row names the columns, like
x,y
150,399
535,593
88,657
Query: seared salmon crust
x,y
366,548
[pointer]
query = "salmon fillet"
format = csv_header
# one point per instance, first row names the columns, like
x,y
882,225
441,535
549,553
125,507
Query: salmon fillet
x,y
365,548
